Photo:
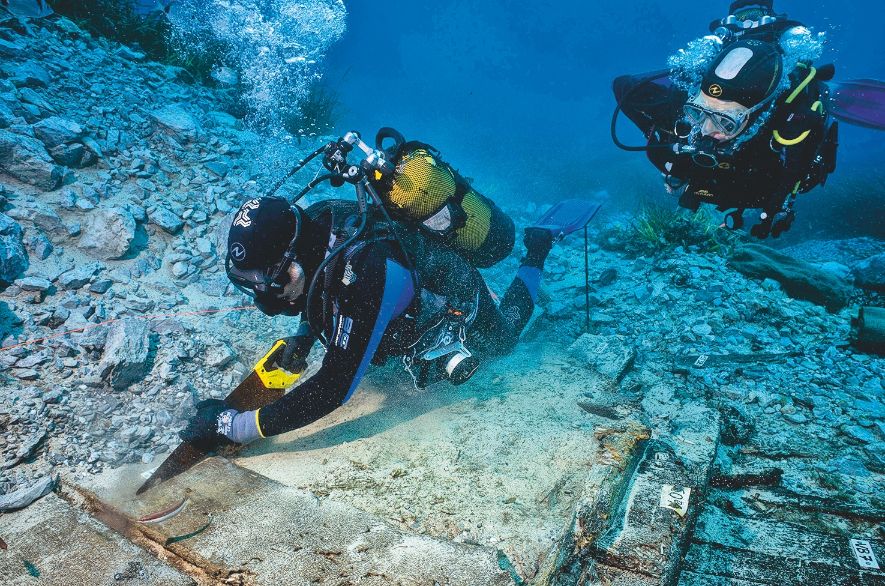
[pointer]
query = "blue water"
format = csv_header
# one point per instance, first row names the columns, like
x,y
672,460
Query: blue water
x,y
518,96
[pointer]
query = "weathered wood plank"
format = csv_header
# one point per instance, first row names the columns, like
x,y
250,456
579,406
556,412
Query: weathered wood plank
x,y
729,563
643,535
692,579
779,539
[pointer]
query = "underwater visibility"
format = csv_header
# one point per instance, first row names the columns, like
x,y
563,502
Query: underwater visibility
x,y
457,293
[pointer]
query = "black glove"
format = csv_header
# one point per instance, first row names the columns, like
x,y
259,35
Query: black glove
x,y
762,229
294,355
202,429
783,221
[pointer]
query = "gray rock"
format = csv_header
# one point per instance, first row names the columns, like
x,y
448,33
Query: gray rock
x,y
860,434
79,276
33,284
702,329
126,358
28,74
607,277
214,286
39,245
7,116
166,219
130,54
69,155
611,356
218,168
23,9
13,258
25,159
108,233
26,374
799,279
56,131
204,247
41,216
101,286
222,119
178,122
180,269
219,355
29,96
10,50
23,497
93,146
28,446
870,273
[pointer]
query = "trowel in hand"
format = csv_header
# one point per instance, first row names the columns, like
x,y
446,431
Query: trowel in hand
x,y
264,385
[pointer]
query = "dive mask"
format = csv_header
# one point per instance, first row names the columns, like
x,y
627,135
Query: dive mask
x,y
270,280
728,123
258,281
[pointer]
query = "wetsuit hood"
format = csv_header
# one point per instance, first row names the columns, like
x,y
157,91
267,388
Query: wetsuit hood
x,y
747,72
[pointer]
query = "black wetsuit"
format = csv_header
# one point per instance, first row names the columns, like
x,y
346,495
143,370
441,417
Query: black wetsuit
x,y
367,304
761,173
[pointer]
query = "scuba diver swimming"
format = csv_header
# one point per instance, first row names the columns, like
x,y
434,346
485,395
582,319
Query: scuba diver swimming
x,y
751,127
393,274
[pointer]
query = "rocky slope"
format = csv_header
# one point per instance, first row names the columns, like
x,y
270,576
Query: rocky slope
x,y
115,178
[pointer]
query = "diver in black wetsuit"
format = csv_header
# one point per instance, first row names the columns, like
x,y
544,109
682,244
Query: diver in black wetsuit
x,y
749,135
371,303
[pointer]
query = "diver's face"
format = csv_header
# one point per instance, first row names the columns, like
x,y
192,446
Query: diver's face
x,y
295,287
711,125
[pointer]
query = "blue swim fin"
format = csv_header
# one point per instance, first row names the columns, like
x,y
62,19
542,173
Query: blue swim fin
x,y
567,216
860,102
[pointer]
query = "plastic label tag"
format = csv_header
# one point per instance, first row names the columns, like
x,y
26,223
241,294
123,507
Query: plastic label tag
x,y
701,361
675,498
863,551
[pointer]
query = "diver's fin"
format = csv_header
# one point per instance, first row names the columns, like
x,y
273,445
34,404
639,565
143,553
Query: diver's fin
x,y
860,102
567,216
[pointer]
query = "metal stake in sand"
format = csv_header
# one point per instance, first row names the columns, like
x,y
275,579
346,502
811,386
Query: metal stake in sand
x,y
570,216
587,275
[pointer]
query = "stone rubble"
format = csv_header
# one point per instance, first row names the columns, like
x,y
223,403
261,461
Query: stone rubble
x,y
114,189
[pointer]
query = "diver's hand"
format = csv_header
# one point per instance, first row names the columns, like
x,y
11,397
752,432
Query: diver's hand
x,y
215,425
294,355
783,221
761,230
202,429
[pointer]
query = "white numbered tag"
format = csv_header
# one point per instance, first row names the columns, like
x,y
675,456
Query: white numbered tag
x,y
675,498
701,361
863,551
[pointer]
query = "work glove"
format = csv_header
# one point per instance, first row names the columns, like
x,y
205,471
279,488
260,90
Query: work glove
x,y
762,229
294,356
783,221
202,429
216,426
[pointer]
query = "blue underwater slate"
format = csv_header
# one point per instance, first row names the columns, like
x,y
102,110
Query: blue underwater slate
x,y
568,216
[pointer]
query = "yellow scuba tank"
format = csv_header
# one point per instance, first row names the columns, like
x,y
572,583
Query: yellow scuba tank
x,y
427,192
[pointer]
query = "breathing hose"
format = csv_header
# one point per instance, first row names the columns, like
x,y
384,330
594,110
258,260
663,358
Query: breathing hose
x,y
614,124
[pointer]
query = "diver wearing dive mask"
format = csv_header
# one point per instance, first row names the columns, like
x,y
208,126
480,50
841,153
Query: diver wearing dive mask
x,y
277,288
365,302
750,135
